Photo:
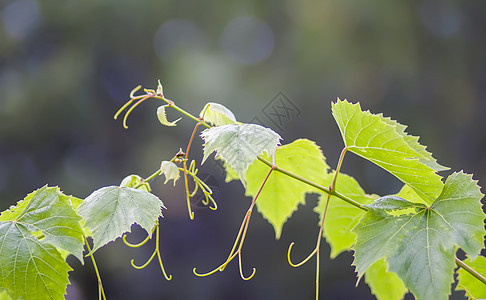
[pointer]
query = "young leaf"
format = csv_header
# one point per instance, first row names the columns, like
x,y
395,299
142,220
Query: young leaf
x,y
469,283
135,180
385,143
239,145
282,194
384,285
170,170
163,117
110,211
32,235
47,212
341,216
420,246
217,114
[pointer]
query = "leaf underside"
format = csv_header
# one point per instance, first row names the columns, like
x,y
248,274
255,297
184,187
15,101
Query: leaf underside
x,y
282,194
217,114
420,242
384,142
239,144
110,211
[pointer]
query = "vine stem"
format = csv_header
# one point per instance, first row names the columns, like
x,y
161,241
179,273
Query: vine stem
x,y
101,291
330,192
188,194
470,270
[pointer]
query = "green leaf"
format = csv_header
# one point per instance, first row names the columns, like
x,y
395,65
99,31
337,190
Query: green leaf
x,y
217,114
230,173
469,283
170,170
420,242
282,194
32,236
239,145
31,268
384,285
47,212
385,143
4,296
110,211
135,181
341,216
163,117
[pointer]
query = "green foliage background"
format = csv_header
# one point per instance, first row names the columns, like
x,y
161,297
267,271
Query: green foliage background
x,y
66,67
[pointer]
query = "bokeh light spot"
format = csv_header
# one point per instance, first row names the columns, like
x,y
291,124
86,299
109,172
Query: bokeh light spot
x,y
20,18
176,36
247,40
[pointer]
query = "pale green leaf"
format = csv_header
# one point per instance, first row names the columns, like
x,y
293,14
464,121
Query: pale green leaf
x,y
282,194
341,216
170,170
420,242
230,173
4,296
217,114
47,212
471,284
110,211
385,285
385,143
32,236
239,145
163,117
135,181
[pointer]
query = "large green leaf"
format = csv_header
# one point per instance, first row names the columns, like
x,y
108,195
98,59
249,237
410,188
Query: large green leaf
x,y
32,236
110,211
341,216
384,285
282,194
217,114
469,283
385,143
420,242
49,213
239,145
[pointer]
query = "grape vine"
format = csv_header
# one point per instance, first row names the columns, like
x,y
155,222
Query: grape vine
x,y
402,242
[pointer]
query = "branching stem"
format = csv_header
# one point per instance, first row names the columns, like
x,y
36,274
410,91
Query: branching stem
x,y
330,191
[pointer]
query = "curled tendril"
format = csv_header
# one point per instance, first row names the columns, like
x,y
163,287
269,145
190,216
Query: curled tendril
x,y
240,239
241,269
235,251
199,185
141,98
124,238
156,251
302,262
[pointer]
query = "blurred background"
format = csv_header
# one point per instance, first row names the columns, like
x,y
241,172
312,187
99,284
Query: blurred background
x,y
67,66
